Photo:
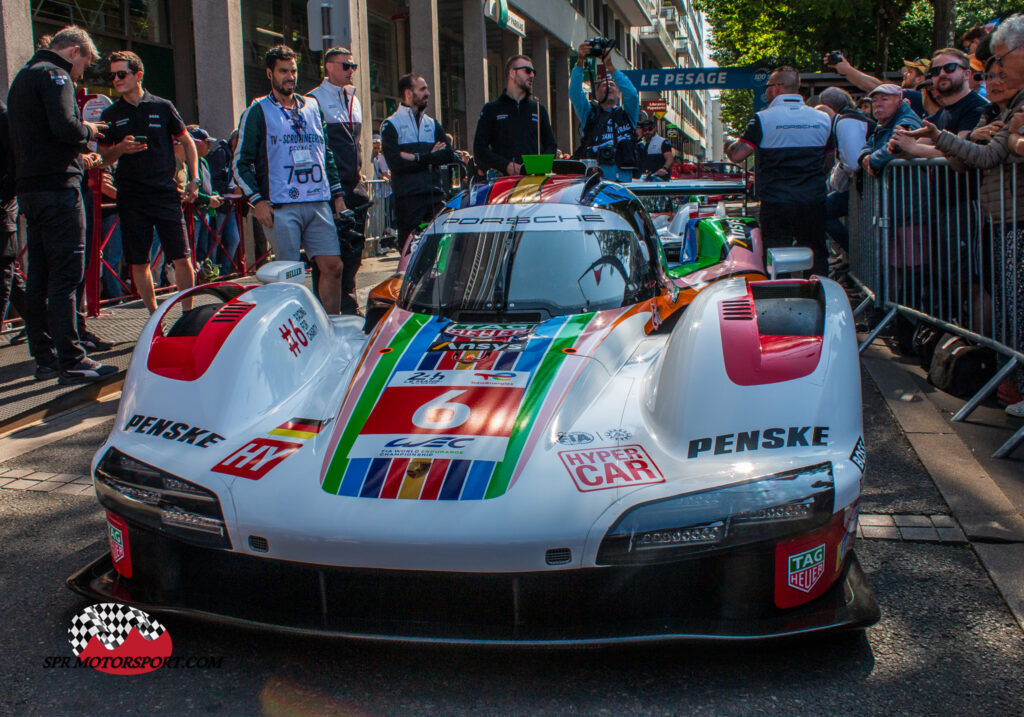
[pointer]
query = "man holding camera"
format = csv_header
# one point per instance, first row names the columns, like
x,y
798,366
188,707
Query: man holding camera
x,y
913,72
514,124
49,139
141,137
343,114
608,123
791,140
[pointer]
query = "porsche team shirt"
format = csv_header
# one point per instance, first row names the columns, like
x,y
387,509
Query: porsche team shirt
x,y
150,172
791,140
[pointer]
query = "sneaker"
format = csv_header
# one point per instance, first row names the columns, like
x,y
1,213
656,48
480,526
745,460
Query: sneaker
x,y
91,342
45,371
86,371
1016,409
19,337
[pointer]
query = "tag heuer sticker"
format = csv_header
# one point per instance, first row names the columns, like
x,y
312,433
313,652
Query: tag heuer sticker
x,y
859,455
806,568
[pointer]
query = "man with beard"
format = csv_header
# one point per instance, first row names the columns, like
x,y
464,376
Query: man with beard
x,y
286,170
514,124
415,147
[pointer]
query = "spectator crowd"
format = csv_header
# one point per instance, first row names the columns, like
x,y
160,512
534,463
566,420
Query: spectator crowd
x,y
955,230
295,163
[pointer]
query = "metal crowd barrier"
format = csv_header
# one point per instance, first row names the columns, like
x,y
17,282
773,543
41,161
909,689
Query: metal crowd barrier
x,y
922,245
380,219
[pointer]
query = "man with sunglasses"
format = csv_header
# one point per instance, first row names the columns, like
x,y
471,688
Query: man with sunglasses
x,y
284,166
508,127
140,139
343,114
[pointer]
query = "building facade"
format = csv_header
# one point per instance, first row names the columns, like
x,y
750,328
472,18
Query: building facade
x,y
207,55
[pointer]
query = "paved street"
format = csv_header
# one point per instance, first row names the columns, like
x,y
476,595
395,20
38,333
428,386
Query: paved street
x,y
946,643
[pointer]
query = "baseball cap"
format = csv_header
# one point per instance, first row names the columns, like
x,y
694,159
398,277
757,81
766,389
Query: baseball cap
x,y
200,133
645,122
977,65
886,89
918,63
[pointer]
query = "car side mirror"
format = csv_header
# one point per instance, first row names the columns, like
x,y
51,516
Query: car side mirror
x,y
784,261
276,272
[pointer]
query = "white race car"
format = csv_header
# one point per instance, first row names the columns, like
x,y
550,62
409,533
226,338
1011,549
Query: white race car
x,y
547,439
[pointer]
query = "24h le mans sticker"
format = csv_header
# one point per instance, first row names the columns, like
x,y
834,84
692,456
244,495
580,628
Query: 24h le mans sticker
x,y
119,640
806,568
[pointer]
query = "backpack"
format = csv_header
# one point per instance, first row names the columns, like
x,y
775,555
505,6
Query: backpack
x,y
926,338
960,368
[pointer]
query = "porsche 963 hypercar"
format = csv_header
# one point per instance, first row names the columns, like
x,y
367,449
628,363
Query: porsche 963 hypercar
x,y
546,438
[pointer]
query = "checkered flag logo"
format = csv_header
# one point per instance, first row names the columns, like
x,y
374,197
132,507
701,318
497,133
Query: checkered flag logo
x,y
111,623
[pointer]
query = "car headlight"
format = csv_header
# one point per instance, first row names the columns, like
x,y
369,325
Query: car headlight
x,y
160,501
766,508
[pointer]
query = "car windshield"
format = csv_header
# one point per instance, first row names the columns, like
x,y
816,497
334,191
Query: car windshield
x,y
509,273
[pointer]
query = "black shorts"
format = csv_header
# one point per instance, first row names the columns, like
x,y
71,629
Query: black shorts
x,y
141,217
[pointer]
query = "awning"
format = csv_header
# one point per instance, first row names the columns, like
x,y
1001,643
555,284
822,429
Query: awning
x,y
498,11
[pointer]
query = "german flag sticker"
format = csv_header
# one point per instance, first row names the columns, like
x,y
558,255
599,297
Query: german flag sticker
x,y
303,428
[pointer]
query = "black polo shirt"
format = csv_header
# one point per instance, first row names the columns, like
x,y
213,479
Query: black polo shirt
x,y
151,171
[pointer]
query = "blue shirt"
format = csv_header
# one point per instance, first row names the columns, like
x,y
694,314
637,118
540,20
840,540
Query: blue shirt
x,y
581,103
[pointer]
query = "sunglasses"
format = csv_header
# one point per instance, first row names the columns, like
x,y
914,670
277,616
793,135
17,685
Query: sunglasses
x,y
949,68
120,75
526,68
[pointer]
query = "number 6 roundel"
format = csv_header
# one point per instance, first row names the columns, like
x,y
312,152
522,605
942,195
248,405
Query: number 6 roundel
x,y
472,411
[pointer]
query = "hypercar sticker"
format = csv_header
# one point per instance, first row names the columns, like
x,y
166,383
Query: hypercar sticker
x,y
173,430
256,458
610,467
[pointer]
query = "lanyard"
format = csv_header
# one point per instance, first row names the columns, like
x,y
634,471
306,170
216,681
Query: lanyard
x,y
351,100
297,120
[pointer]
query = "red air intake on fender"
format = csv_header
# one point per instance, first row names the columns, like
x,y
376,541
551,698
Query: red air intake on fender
x,y
190,346
774,333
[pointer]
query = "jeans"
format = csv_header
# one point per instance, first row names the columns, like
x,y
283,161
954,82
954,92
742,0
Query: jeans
x,y
112,254
56,267
227,228
837,205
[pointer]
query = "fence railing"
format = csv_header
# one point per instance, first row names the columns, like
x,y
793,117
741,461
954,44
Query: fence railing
x,y
946,247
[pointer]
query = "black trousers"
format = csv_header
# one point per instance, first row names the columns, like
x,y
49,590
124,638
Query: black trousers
x,y
796,224
351,252
56,267
412,211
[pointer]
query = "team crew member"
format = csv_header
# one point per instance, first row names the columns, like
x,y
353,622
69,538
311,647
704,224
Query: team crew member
x,y
608,125
791,140
508,126
336,96
49,138
657,158
140,139
287,172
414,146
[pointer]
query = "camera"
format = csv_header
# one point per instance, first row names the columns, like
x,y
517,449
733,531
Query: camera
x,y
606,155
345,224
601,46
834,58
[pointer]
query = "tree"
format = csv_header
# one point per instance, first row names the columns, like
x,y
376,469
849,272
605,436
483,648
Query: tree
x,y
943,24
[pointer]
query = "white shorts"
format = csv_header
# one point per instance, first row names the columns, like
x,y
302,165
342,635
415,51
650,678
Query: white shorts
x,y
306,225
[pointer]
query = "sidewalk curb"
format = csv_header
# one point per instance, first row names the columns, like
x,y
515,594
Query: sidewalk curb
x,y
86,393
987,517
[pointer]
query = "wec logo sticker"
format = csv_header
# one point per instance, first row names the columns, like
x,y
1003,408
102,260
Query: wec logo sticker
x,y
603,468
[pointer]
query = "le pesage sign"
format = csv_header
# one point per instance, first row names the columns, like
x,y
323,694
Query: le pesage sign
x,y
703,78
